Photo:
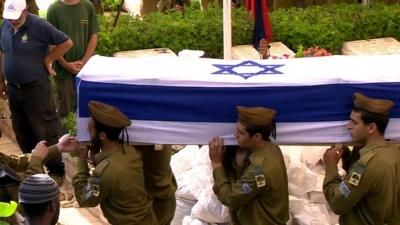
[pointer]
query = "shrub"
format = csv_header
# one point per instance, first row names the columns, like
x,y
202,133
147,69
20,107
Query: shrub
x,y
328,26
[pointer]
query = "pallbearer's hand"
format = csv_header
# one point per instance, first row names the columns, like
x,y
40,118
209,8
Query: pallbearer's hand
x,y
331,156
67,144
216,152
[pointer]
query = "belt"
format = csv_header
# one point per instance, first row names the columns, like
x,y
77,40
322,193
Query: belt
x,y
26,85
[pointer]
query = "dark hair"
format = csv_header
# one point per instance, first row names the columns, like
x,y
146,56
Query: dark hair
x,y
229,157
35,210
367,117
265,130
112,133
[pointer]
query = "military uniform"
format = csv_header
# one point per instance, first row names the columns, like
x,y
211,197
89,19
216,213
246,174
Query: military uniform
x,y
369,194
233,172
117,184
160,181
260,195
17,168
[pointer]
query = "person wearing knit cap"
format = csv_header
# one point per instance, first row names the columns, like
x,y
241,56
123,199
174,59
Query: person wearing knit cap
x,y
260,195
117,182
370,192
39,197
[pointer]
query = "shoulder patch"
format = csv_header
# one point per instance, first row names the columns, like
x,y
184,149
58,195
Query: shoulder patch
x,y
99,169
246,188
93,187
260,180
356,172
344,189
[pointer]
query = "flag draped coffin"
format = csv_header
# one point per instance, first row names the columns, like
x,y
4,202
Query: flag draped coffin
x,y
189,101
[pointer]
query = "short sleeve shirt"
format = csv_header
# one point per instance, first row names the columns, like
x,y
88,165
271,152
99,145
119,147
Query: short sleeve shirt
x,y
25,50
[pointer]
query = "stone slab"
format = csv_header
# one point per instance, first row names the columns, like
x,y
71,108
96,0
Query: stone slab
x,y
245,52
378,46
146,53
278,49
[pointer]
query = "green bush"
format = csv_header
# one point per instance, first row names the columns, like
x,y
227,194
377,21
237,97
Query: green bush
x,y
69,124
193,30
327,26
110,5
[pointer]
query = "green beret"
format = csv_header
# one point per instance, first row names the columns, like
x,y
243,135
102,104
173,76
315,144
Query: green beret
x,y
256,116
373,105
108,115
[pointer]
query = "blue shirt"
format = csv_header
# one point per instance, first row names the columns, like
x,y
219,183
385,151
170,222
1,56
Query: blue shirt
x,y
24,51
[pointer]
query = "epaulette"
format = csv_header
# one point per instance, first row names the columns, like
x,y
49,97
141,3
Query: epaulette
x,y
366,158
99,169
259,160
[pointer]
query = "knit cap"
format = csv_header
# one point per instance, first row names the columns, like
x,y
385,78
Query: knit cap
x,y
38,188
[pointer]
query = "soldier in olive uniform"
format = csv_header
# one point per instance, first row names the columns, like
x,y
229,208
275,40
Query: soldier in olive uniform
x,y
235,161
260,196
13,169
159,180
369,194
117,182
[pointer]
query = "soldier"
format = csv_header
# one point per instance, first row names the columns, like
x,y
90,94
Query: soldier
x,y
117,182
260,195
235,161
13,169
369,194
160,181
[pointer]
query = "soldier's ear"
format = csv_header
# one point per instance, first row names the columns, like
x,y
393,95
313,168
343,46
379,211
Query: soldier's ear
x,y
102,136
258,137
372,128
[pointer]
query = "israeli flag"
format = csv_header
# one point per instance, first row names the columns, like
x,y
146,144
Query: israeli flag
x,y
189,101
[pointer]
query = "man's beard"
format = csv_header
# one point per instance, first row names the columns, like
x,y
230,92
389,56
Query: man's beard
x,y
96,144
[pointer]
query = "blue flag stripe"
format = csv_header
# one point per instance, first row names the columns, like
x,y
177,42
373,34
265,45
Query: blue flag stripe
x,y
317,103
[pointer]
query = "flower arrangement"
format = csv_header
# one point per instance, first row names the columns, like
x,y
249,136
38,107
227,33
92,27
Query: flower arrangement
x,y
312,52
284,56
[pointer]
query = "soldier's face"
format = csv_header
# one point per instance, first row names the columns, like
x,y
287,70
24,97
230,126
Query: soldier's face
x,y
243,137
358,130
91,128
94,136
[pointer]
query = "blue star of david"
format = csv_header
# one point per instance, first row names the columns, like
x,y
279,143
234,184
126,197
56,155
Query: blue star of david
x,y
265,69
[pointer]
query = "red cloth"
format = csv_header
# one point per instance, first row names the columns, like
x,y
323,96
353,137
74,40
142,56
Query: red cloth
x,y
251,6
